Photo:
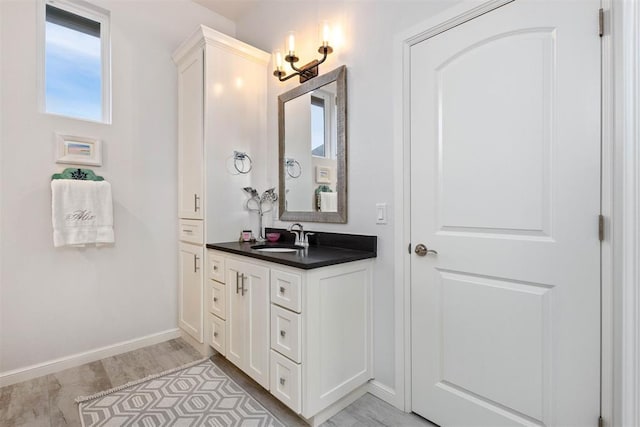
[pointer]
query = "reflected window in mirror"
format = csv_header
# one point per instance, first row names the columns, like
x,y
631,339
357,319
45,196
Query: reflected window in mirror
x,y
318,134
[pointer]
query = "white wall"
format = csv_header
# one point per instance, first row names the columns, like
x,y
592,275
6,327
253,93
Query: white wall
x,y
58,302
368,29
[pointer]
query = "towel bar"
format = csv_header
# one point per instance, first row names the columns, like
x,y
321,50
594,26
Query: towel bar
x,y
77,173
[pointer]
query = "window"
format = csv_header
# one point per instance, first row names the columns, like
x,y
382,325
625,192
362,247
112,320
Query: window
x,y
317,127
324,137
76,61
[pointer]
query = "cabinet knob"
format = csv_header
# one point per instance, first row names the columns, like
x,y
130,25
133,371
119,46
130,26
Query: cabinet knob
x,y
282,381
282,289
215,334
215,299
283,333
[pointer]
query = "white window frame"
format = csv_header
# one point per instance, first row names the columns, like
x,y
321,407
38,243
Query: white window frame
x,y
89,11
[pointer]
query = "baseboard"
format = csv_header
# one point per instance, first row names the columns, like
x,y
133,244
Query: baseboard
x,y
203,348
56,365
385,393
336,407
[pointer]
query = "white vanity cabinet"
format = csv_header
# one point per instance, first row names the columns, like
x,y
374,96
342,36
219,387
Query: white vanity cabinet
x,y
303,334
221,109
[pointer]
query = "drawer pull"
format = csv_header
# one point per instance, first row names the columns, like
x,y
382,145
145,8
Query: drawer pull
x,y
187,231
283,333
215,268
215,299
282,289
282,381
215,334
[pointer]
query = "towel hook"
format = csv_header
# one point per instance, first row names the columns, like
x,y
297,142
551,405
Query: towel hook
x,y
239,164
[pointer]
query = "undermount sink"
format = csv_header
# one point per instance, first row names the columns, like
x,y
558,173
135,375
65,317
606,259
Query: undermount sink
x,y
277,248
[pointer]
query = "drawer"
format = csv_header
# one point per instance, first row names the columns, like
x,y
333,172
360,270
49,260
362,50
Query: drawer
x,y
192,231
217,298
216,334
286,381
215,266
286,290
285,332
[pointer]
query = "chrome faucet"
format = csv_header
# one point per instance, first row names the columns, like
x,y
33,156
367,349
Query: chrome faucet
x,y
299,232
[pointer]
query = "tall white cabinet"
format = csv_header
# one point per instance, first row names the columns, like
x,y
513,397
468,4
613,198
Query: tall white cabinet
x,y
221,109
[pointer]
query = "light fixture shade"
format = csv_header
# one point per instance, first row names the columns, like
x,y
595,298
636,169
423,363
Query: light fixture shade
x,y
278,63
325,33
291,43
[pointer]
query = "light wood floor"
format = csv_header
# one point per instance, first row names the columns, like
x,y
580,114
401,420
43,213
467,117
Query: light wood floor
x,y
49,400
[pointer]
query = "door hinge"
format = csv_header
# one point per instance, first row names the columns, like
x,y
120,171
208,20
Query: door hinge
x,y
601,227
409,248
600,421
601,22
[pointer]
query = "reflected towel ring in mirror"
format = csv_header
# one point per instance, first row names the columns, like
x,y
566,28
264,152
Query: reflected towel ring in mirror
x,y
294,170
239,162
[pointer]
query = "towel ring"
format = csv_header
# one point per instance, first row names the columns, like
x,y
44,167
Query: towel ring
x,y
239,164
291,166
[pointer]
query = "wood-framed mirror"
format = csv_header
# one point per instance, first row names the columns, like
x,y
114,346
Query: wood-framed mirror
x,y
312,131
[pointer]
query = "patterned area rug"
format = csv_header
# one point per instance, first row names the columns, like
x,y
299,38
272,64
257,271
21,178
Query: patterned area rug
x,y
198,394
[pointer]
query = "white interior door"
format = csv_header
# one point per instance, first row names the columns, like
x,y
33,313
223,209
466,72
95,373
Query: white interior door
x,y
505,186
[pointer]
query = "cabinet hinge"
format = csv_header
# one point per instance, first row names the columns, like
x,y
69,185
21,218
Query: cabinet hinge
x,y
601,22
601,227
600,421
409,248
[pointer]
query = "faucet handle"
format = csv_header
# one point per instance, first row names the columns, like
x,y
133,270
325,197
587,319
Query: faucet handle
x,y
306,238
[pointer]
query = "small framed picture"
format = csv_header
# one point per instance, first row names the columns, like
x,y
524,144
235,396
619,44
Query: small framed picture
x,y
78,150
323,175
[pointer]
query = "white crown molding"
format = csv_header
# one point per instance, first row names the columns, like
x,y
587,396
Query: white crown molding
x,y
205,35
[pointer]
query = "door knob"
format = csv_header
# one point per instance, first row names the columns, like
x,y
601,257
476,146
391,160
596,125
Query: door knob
x,y
421,250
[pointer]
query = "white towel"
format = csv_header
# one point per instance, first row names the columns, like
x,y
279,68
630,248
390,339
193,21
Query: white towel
x,y
328,202
82,212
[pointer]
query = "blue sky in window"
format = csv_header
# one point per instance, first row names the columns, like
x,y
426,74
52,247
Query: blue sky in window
x,y
73,73
317,131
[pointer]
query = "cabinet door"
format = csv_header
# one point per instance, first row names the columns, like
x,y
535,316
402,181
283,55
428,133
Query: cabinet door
x,y
190,135
256,294
190,290
248,318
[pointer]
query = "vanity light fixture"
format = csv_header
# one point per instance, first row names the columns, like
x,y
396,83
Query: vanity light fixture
x,y
308,71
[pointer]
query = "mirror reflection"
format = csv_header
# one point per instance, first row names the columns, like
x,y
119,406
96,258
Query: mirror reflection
x,y
311,151
312,141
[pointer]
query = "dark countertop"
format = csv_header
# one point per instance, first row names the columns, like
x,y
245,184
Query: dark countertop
x,y
337,249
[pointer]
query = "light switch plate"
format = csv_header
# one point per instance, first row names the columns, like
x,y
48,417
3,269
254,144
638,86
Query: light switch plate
x,y
381,213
